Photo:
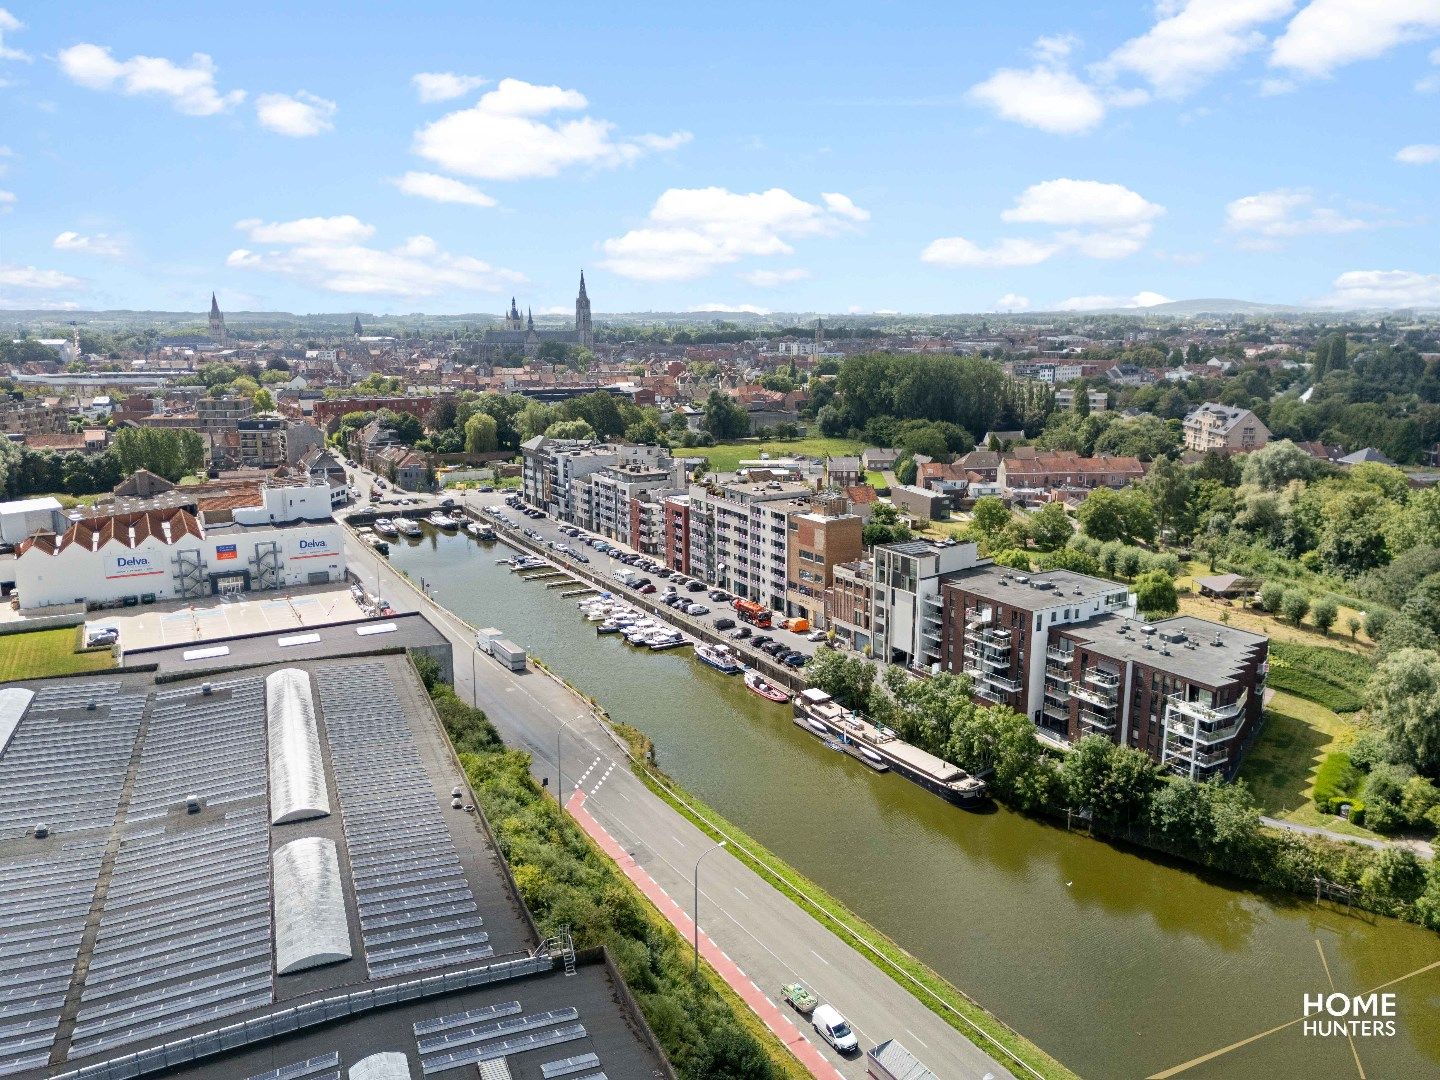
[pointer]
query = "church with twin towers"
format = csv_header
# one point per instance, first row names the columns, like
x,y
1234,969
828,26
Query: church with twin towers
x,y
518,333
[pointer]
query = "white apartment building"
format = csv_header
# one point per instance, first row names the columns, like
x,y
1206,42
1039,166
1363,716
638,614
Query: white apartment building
x,y
906,606
555,473
739,539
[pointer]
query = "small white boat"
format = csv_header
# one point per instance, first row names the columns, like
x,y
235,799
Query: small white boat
x,y
442,520
666,639
385,527
406,527
718,657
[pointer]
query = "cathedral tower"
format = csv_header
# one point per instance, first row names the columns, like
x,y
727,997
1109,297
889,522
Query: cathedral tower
x,y
217,320
582,315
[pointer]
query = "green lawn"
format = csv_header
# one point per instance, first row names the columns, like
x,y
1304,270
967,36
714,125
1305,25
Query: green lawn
x,y
726,457
1280,768
41,654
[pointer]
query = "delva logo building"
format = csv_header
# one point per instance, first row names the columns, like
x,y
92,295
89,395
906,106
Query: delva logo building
x,y
172,554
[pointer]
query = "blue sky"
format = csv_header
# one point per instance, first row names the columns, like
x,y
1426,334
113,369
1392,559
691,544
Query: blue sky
x,y
779,157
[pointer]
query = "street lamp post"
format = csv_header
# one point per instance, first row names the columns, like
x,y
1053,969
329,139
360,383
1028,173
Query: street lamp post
x,y
696,909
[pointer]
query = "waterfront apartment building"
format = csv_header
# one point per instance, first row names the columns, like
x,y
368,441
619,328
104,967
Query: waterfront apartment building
x,y
818,539
675,510
556,476
606,499
739,537
1066,650
1224,427
906,608
848,601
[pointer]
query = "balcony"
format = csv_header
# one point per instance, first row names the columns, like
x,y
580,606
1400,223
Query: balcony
x,y
982,657
1095,722
1056,713
1094,697
1205,759
980,618
1099,677
1203,711
1188,729
1057,656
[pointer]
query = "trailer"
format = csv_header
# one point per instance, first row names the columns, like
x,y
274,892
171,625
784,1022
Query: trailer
x,y
891,1061
508,653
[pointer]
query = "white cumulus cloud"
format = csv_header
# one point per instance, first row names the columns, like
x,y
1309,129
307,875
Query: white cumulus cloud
x,y
1418,154
1193,41
1106,221
7,199
445,189
190,88
504,135
95,244
30,277
1328,34
692,231
1269,216
1098,303
1047,96
431,86
1012,302
328,253
298,115
1384,289
340,229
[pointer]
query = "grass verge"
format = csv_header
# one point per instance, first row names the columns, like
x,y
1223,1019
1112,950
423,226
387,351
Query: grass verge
x,y
44,654
726,457
947,1001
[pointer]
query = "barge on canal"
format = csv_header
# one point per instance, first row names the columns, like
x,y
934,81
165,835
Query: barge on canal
x,y
819,713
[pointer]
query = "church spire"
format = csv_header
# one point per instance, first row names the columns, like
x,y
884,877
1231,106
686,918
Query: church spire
x,y
215,306
582,286
582,315
529,320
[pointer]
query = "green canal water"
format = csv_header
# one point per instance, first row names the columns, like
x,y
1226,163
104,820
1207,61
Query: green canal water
x,y
1118,964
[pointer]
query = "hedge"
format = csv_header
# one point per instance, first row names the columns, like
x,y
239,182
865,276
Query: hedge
x,y
1334,678
1335,781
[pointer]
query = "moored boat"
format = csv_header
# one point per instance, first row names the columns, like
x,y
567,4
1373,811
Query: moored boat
x,y
406,527
385,527
718,657
758,684
442,520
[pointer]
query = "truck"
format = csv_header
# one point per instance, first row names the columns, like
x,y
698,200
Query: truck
x,y
753,613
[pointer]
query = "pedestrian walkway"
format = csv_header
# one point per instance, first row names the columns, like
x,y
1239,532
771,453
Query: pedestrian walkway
x,y
783,1027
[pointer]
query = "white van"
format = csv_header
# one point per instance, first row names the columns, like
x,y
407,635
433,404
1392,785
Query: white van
x,y
834,1029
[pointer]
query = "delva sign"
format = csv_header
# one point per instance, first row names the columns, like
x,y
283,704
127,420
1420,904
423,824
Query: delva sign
x,y
128,566
313,549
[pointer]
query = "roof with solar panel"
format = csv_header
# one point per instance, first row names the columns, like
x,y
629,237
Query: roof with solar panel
x,y
273,874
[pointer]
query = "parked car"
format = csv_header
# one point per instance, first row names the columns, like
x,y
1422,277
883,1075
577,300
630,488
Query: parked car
x,y
724,624
761,641
699,609
695,586
741,633
647,588
815,635
794,659
834,1029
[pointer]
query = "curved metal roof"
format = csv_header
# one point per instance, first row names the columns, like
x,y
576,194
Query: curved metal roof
x,y
297,773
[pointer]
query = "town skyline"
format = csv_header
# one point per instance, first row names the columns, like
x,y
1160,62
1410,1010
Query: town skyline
x,y
1115,159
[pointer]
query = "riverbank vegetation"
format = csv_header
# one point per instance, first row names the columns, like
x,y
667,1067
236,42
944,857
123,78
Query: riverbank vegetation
x,y
931,988
706,1031
1124,795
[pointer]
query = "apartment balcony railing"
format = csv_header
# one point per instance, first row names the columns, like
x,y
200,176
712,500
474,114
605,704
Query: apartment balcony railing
x,y
994,635
980,618
1102,678
1096,722
1058,656
1056,713
1207,712
1095,697
1193,732
1206,759
983,657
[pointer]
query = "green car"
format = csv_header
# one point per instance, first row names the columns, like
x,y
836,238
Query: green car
x,y
800,999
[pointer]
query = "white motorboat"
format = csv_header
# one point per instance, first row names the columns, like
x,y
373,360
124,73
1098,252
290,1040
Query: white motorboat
x,y
385,527
407,527
442,520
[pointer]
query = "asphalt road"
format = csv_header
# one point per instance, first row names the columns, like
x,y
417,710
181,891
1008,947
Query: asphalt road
x,y
771,939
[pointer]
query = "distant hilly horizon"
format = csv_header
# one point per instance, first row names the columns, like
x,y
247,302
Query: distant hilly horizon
x,y
1208,306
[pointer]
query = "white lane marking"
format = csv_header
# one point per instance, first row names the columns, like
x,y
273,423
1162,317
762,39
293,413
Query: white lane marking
x,y
742,895
819,957
917,1038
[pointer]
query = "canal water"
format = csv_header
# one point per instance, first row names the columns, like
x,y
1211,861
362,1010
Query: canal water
x,y
1118,964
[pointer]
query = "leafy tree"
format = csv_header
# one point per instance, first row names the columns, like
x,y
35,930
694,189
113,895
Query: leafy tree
x,y
990,515
570,429
1155,593
1050,527
1376,622
406,427
1114,782
1069,558
262,401
1148,438
443,413
482,434
906,469
1272,595
600,410
884,526
725,418
1404,698
1295,605
1111,515
847,678
1276,464
169,452
1423,604
1323,613
1169,487
1395,873
534,419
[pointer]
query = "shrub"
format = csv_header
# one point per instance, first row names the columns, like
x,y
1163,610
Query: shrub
x,y
1324,613
1272,595
1376,620
1295,605
1128,562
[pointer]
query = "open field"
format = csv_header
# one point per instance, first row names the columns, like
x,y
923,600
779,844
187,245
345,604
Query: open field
x,y
1262,622
726,457
1280,768
42,654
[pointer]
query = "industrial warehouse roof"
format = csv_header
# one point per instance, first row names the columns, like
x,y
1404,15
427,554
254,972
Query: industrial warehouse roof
x,y
262,876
